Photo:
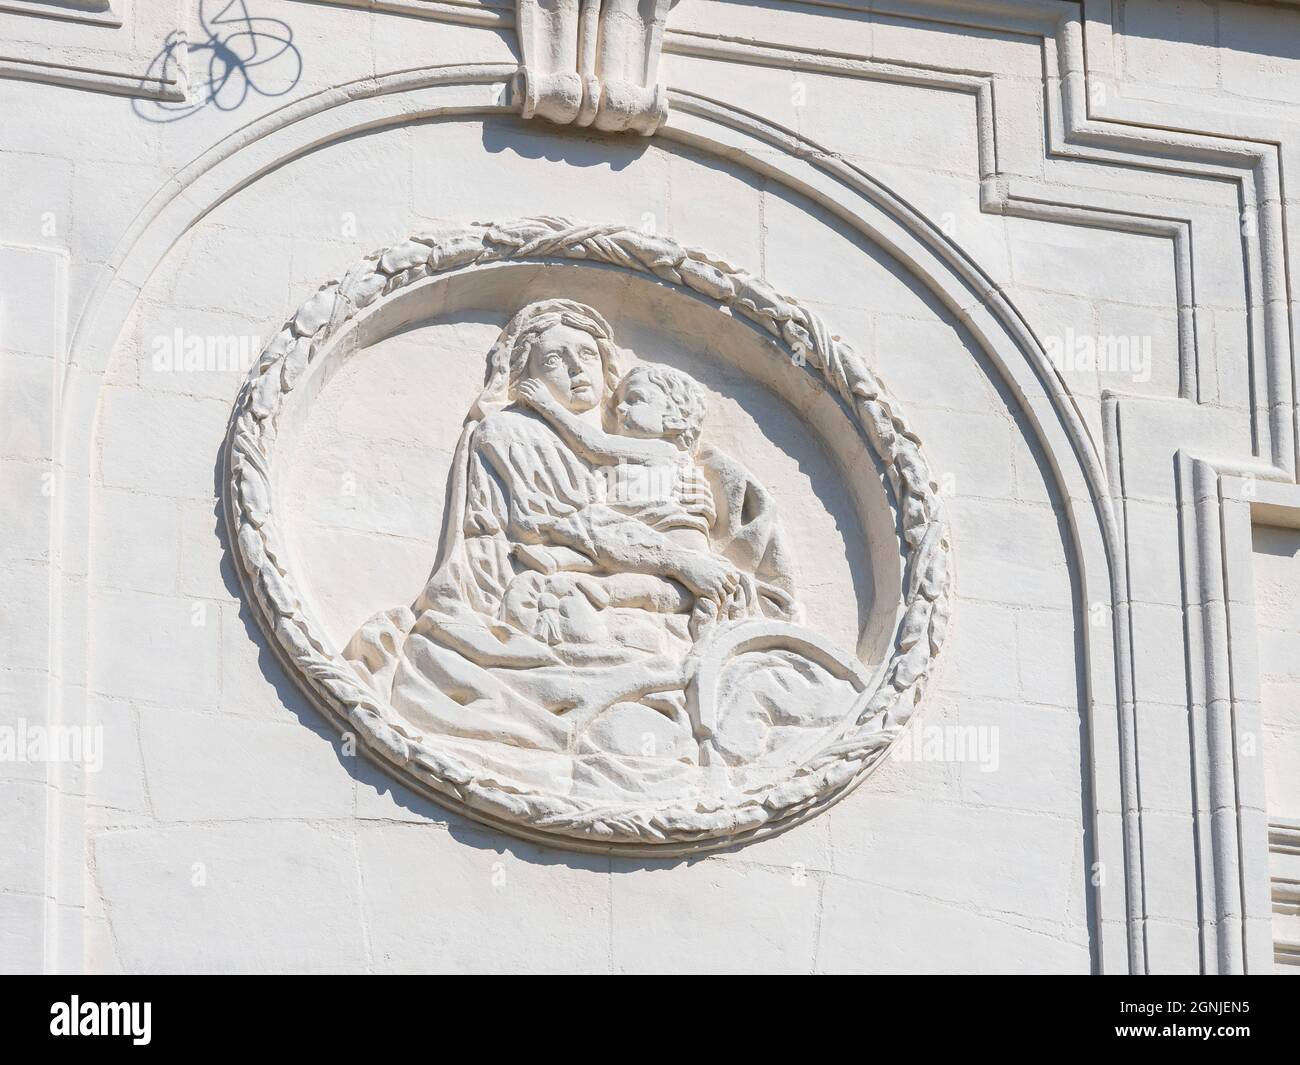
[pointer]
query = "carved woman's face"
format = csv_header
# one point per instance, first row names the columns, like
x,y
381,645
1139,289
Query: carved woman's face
x,y
568,362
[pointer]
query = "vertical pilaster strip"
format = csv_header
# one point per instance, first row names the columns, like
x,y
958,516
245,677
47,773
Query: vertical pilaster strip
x,y
33,298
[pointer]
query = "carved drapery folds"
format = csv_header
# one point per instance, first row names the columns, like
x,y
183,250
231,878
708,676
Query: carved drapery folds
x,y
593,62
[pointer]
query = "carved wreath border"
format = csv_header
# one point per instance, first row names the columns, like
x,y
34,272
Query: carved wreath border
x,y
258,547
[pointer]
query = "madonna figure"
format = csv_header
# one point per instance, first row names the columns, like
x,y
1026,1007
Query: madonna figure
x,y
593,550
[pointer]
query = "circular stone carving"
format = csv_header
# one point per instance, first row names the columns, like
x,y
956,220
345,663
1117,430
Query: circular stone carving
x,y
721,806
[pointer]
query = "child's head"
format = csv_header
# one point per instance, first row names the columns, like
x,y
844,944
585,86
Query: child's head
x,y
657,402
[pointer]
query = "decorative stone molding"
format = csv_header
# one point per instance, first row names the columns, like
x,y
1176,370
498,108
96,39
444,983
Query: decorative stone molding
x,y
165,81
168,87
737,803
1284,884
593,63
93,12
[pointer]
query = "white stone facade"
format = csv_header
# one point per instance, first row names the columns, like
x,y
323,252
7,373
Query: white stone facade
x,y
973,648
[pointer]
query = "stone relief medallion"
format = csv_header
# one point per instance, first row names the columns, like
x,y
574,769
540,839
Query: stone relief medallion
x,y
609,653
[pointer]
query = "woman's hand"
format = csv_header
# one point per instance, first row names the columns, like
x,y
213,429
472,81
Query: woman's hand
x,y
695,495
708,611
708,577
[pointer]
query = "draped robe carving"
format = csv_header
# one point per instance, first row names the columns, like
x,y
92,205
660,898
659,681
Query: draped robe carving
x,y
564,624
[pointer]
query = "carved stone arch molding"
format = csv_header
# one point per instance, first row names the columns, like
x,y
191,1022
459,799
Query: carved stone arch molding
x,y
858,201
716,811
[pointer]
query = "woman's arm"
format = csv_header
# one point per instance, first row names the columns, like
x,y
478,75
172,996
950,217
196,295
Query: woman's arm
x,y
601,446
537,483
623,544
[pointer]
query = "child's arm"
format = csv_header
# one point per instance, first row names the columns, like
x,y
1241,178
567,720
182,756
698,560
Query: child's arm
x,y
602,446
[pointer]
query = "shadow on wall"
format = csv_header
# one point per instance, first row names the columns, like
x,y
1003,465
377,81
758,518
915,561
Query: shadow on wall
x,y
586,147
1235,30
235,55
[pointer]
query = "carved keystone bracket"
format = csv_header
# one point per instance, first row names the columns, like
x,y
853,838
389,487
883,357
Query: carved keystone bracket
x,y
593,62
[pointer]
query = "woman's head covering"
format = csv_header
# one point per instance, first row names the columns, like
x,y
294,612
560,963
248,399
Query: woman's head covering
x,y
508,358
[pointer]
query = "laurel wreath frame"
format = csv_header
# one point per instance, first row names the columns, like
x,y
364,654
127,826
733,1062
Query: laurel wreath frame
x,y
675,826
